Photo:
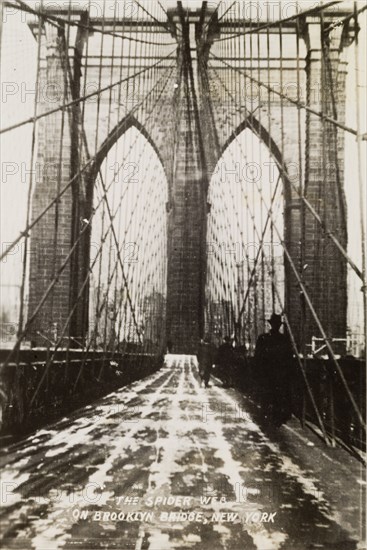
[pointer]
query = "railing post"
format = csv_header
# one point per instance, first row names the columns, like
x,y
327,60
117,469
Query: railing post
x,y
331,408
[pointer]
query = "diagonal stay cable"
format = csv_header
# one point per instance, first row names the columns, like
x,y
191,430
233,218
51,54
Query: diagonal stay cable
x,y
118,248
80,294
290,331
111,216
293,341
270,216
253,272
217,11
98,314
56,19
69,317
343,20
152,16
299,358
70,182
295,102
316,317
84,98
50,287
270,24
312,210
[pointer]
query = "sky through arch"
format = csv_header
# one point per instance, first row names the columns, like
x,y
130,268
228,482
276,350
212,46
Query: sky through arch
x,y
130,271
244,240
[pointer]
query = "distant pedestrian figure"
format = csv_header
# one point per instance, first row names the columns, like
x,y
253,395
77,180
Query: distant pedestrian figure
x,y
273,361
225,361
206,358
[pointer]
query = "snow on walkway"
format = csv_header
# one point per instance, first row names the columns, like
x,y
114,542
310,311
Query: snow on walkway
x,y
162,464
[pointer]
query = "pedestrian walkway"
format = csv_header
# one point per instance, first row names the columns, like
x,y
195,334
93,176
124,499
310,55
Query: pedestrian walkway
x,y
166,464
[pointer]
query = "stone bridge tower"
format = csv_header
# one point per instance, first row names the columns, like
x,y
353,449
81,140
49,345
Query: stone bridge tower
x,y
202,127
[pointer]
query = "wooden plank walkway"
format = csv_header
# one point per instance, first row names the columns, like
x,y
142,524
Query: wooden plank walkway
x,y
166,464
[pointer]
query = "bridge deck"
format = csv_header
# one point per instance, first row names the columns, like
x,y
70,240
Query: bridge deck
x,y
166,436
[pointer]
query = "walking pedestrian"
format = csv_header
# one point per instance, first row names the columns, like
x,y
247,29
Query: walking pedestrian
x,y
206,358
225,361
273,362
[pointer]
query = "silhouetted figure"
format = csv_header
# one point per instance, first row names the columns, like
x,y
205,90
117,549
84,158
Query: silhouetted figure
x,y
225,361
273,361
206,358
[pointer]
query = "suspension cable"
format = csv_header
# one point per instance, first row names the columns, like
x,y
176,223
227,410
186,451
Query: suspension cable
x,y
68,185
82,99
295,102
270,24
314,313
55,19
304,199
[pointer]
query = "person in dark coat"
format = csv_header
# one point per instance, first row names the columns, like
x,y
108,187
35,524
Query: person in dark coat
x,y
169,346
225,361
206,358
273,362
